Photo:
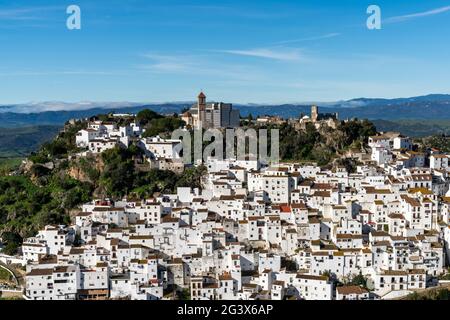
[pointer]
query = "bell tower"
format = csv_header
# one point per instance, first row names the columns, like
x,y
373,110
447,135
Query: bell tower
x,y
201,106
314,113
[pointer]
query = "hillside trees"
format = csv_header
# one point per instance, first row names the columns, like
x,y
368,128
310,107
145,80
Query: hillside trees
x,y
145,116
53,183
118,174
161,126
25,207
440,142
322,145
119,163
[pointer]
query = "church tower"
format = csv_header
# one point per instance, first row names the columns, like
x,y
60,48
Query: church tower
x,y
314,113
201,107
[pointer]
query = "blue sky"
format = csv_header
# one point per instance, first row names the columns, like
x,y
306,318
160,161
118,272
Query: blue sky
x,y
261,51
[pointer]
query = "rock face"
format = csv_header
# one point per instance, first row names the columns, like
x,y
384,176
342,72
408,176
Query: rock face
x,y
82,170
26,166
77,173
100,193
73,213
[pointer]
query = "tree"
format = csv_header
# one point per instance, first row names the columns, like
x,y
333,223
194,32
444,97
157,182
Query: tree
x,y
146,115
147,183
12,241
359,280
118,174
159,126
185,294
192,177
327,274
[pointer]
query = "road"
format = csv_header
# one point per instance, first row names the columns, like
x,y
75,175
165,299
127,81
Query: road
x,y
17,276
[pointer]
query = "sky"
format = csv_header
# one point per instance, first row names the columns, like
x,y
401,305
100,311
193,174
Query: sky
x,y
240,51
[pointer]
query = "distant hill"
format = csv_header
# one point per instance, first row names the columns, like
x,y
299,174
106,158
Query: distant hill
x,y
20,142
415,128
434,106
425,107
14,119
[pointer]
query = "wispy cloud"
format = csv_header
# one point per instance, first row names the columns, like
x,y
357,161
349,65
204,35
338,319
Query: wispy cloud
x,y
168,63
199,65
57,73
417,15
28,13
325,36
280,54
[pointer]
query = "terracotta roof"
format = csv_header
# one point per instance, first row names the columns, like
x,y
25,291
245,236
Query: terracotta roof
x,y
351,290
311,277
40,272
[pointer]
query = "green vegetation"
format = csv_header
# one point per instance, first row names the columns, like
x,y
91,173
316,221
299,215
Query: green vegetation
x,y
415,128
9,164
349,164
12,241
185,295
85,165
446,276
438,142
46,191
156,124
434,294
41,195
359,280
60,147
162,126
325,144
29,203
356,280
119,163
145,116
51,184
11,298
26,206
289,265
19,142
109,117
5,275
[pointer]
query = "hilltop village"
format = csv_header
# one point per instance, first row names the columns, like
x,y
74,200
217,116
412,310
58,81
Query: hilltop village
x,y
293,230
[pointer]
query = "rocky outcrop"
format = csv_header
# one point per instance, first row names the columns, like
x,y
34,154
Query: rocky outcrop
x,y
84,168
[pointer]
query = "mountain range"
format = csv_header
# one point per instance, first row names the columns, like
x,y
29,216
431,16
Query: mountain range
x,y
435,106
26,126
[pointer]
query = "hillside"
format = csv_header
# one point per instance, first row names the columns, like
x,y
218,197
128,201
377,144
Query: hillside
x,y
51,185
21,141
49,188
415,128
420,110
24,131
11,119
323,145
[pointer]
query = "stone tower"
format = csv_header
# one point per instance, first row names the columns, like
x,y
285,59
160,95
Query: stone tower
x,y
314,113
201,107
